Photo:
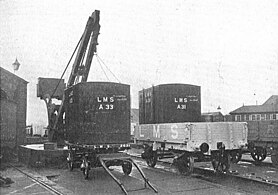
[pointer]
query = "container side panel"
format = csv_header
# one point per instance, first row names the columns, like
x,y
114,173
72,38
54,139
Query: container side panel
x,y
180,103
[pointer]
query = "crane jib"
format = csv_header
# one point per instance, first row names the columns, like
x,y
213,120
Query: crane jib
x,y
86,50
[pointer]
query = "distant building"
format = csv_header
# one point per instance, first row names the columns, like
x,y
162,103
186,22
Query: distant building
x,y
228,117
266,111
13,109
212,117
134,119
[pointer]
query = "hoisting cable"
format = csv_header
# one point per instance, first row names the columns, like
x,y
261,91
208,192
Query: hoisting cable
x,y
107,68
103,69
66,66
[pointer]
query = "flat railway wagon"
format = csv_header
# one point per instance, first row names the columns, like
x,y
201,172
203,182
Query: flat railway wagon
x,y
97,120
170,127
263,140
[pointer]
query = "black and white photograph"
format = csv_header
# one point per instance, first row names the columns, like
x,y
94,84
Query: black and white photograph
x,y
139,97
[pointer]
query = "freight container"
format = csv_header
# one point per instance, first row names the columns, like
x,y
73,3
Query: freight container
x,y
170,103
97,113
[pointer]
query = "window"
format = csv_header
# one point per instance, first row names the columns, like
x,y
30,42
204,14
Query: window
x,y
271,116
246,117
274,116
258,117
263,116
267,116
253,117
237,118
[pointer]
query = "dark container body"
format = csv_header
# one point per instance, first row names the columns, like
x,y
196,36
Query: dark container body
x,y
170,103
98,113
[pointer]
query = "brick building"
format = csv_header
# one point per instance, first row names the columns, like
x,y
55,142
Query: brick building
x,y
13,109
266,111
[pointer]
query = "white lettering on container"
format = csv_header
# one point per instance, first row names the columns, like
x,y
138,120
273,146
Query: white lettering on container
x,y
105,99
181,106
106,107
180,100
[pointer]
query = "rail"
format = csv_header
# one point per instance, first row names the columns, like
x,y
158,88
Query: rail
x,y
43,184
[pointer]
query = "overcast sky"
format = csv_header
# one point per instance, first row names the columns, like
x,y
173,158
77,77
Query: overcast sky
x,y
229,48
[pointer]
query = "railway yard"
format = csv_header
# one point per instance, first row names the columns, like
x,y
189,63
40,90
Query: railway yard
x,y
244,178
90,145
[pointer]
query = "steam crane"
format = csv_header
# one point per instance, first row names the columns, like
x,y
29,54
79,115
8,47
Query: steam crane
x,y
98,137
79,73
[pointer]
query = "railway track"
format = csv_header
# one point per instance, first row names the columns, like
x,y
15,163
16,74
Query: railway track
x,y
209,174
38,181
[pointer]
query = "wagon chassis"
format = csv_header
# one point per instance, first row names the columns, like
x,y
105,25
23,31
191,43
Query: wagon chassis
x,y
259,150
87,157
184,160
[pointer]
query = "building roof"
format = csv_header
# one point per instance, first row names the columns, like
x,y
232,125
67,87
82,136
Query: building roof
x,y
265,108
273,100
4,71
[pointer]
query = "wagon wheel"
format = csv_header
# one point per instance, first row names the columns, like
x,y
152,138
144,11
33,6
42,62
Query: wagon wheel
x,y
221,164
259,154
151,161
127,167
274,158
236,156
70,161
185,165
